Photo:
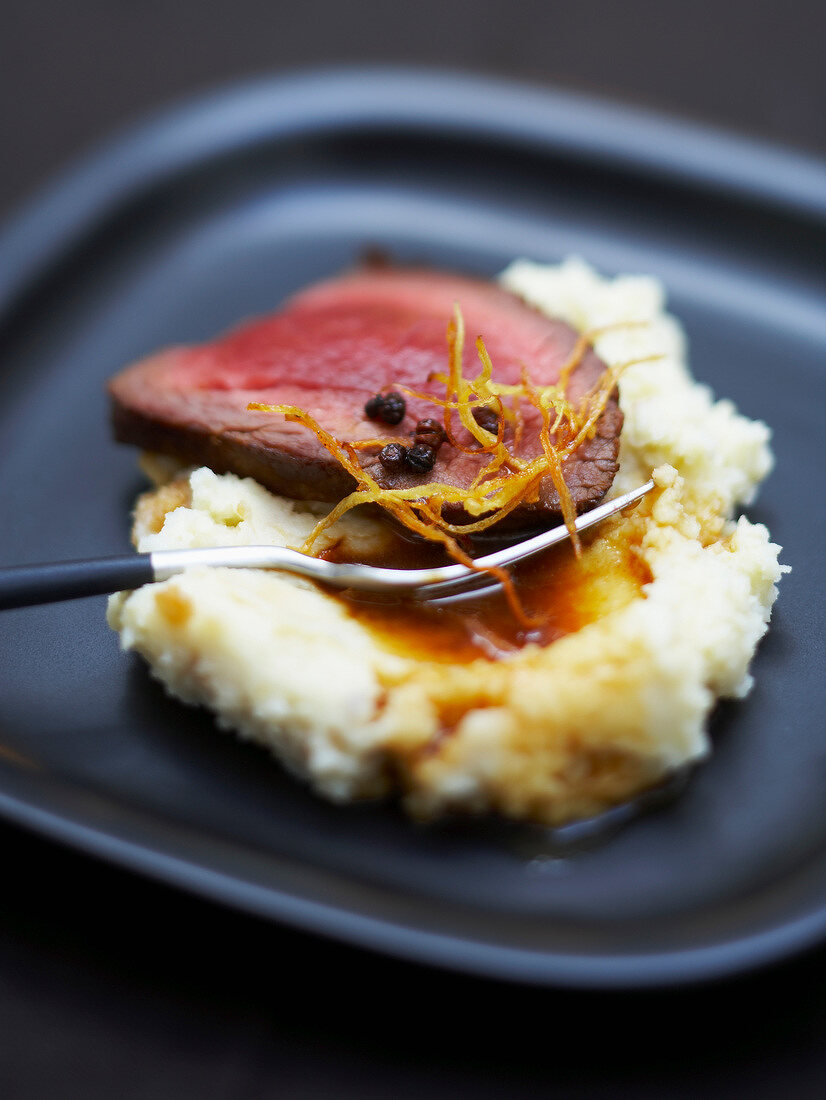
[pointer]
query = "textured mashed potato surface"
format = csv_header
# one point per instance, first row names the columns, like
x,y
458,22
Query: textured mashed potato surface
x,y
550,733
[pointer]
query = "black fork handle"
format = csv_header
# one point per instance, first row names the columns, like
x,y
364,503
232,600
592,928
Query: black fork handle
x,y
24,585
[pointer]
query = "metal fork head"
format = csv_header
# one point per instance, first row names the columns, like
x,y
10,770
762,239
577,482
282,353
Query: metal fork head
x,y
432,583
427,583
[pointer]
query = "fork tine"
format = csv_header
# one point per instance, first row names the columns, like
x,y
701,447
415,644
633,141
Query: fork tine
x,y
428,582
527,548
531,546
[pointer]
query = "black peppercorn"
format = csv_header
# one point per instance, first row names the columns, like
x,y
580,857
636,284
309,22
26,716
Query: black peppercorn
x,y
430,433
421,458
429,426
389,407
392,456
487,418
393,409
425,440
374,406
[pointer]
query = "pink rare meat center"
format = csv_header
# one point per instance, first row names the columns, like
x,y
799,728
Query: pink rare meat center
x,y
328,351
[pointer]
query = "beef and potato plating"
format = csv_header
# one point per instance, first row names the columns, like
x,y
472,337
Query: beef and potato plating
x,y
399,417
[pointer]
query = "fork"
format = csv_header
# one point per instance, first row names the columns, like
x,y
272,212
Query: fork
x,y
24,585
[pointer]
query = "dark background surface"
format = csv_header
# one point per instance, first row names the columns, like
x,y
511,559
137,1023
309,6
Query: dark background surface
x,y
115,987
72,72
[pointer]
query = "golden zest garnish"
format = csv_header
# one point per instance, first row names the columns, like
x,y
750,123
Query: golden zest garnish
x,y
505,480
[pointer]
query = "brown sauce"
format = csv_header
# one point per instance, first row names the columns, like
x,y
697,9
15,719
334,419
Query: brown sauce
x,y
556,588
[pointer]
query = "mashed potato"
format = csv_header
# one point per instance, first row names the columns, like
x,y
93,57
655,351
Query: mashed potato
x,y
548,733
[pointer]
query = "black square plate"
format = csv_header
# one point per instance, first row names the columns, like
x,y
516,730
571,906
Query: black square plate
x,y
216,211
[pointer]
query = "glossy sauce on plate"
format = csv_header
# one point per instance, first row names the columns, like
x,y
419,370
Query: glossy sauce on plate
x,y
559,592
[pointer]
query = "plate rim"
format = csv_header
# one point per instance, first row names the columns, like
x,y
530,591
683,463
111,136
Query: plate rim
x,y
216,883
579,127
